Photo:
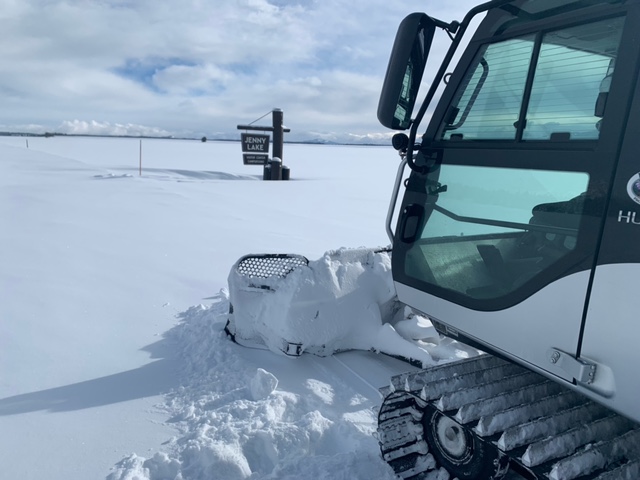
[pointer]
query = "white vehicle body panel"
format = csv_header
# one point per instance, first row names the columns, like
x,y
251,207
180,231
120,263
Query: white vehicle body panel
x,y
549,319
611,335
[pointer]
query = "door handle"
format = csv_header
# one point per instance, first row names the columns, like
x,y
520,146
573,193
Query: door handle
x,y
411,221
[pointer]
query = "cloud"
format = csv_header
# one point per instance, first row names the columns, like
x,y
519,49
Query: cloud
x,y
199,65
78,127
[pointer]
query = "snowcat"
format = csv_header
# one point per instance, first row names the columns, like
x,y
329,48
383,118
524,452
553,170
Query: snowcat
x,y
518,233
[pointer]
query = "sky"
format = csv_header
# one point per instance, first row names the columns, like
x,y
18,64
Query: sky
x,y
199,67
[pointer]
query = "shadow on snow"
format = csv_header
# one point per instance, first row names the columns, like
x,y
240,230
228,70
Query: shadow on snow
x,y
155,378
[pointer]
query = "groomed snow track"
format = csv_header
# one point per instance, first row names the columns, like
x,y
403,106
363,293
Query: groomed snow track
x,y
491,415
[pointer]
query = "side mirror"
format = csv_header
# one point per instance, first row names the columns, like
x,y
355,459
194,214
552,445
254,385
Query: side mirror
x,y
404,72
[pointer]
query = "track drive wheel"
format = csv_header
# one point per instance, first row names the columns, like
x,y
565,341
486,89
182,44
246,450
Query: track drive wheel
x,y
460,452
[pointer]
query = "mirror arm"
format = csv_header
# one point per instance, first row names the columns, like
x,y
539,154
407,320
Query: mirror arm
x,y
448,27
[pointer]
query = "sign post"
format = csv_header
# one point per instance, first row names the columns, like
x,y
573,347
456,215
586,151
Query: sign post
x,y
278,133
255,147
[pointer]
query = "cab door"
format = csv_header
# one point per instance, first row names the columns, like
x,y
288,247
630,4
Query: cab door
x,y
498,233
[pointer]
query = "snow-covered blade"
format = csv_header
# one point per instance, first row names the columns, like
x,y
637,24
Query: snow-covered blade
x,y
344,301
542,428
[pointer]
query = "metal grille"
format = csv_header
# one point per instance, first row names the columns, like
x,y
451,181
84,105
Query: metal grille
x,y
270,265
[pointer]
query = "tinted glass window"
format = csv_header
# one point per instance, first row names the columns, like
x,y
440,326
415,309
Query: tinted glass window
x,y
573,72
494,229
489,101
572,76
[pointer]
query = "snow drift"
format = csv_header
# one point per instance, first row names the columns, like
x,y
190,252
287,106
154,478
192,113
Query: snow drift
x,y
99,260
236,424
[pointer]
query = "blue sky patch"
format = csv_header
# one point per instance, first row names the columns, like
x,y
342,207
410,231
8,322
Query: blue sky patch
x,y
143,70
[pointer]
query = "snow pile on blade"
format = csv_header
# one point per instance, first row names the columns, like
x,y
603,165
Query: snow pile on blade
x,y
343,301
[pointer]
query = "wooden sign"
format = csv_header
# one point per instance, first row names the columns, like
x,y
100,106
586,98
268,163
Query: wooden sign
x,y
254,142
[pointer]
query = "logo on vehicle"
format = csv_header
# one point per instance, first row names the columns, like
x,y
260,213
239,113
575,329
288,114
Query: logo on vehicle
x,y
633,188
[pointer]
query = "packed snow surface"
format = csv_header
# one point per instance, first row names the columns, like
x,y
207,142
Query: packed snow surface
x,y
114,299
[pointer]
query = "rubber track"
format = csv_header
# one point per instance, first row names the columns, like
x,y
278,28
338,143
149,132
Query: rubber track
x,y
548,431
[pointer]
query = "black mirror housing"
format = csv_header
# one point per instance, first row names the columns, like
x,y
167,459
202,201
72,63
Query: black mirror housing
x,y
404,72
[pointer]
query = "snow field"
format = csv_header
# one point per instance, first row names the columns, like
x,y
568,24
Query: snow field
x,y
110,365
98,261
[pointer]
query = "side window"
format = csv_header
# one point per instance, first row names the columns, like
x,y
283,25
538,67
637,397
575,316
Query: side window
x,y
565,101
489,101
495,229
572,80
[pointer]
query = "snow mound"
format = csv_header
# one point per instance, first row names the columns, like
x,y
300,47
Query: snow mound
x,y
236,423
